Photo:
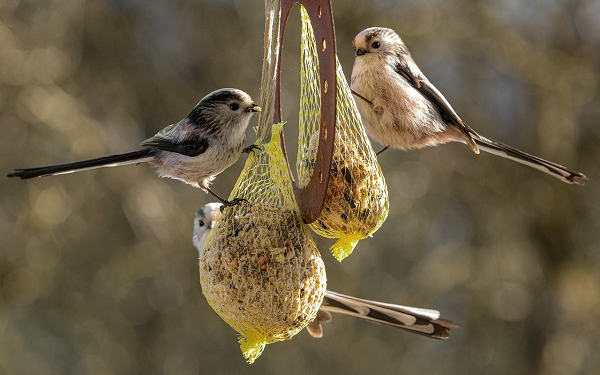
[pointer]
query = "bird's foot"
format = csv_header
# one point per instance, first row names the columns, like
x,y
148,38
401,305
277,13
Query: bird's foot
x,y
233,202
251,148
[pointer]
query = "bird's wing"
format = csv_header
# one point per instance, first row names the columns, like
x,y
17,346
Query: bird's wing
x,y
166,140
422,84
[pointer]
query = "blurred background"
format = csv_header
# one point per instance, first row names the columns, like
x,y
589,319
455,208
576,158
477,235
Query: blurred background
x,y
97,271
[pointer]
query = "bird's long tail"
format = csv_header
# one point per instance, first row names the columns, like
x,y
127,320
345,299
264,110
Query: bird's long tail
x,y
498,148
107,161
416,320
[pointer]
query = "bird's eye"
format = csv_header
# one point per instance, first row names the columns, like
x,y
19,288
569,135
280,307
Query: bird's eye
x,y
375,45
201,223
234,106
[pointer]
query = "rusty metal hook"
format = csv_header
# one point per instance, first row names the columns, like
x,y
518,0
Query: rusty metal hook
x,y
311,198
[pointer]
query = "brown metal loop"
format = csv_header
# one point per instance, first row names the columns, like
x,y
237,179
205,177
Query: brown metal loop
x,y
311,198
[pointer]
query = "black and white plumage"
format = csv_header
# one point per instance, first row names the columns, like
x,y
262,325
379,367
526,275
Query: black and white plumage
x,y
401,109
413,319
194,150
424,322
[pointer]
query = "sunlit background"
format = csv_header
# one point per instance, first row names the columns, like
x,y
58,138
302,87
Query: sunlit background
x,y
98,274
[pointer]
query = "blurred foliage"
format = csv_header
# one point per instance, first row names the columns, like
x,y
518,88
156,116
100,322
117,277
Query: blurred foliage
x,y
97,271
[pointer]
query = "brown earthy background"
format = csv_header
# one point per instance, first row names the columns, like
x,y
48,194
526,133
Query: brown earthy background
x,y
97,271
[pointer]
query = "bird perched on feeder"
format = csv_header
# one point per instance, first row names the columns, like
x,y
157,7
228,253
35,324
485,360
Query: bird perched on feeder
x,y
401,109
416,320
194,150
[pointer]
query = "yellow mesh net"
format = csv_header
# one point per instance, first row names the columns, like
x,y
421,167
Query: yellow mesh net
x,y
261,270
356,202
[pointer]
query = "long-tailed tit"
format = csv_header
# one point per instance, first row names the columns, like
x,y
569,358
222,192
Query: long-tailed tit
x,y
194,150
417,320
401,109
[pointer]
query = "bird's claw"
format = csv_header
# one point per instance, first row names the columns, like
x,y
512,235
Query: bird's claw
x,y
233,202
251,148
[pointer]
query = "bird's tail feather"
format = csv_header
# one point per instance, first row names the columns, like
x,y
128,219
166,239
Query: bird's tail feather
x,y
498,148
107,161
416,320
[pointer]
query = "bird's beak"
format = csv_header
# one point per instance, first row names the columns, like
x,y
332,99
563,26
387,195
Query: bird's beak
x,y
360,52
254,108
